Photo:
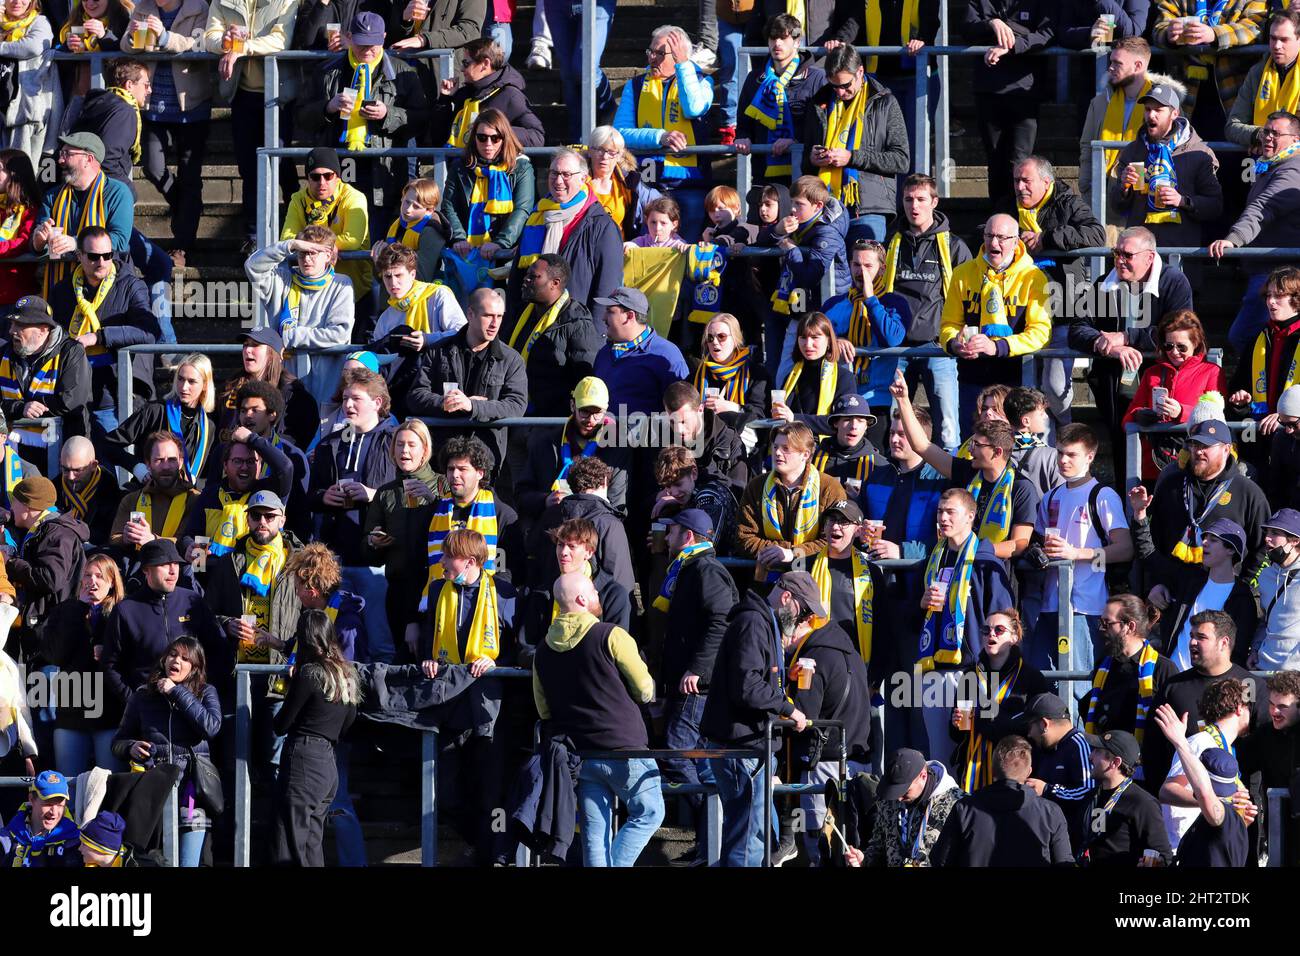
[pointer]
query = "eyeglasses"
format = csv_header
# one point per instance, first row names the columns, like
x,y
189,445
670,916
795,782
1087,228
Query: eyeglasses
x,y
98,256
841,87
659,54
994,237
1110,623
488,137
606,151
263,517
66,152
719,337
559,174
1178,347
1288,424
996,631
1269,133
981,444
321,177
241,462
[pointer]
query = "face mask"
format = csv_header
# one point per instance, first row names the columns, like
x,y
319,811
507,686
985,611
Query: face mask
x,y
1279,554
461,579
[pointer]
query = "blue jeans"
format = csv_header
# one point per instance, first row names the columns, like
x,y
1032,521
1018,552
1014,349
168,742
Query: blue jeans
x,y
870,226
730,37
1085,647
744,813
566,35
635,782
371,585
904,89
682,732
76,751
156,267
1251,318
504,37
939,376
192,847
349,844
1055,382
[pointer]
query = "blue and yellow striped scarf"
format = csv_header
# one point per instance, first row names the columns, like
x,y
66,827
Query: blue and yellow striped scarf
x,y
771,110
197,457
42,385
533,237
844,129
732,376
490,196
665,597
227,523
93,213
566,452
624,349
944,630
659,106
807,517
979,755
1148,656
482,518
995,525
298,284
408,235
265,562
860,332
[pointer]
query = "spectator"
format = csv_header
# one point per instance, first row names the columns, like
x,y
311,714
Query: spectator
x,y
1062,766
997,309
1276,645
87,489
616,181
1006,823
104,25
717,448
1272,205
387,107
438,25
42,833
747,691
1033,457
20,198
262,358
185,412
1116,114
1081,25
178,709
1218,31
1215,586
145,623
328,202
114,115
178,115
165,499
571,222
1132,672
858,144
105,309
1273,752
1166,179
636,360
241,36
1005,683
261,409
781,512
681,487
1268,86
722,283
26,37
488,82
666,106
1006,94
249,464
560,344
1257,386
307,304
730,376
919,260
904,495
419,225
43,374
72,639
589,480
588,683
47,567
774,100
848,454
347,468
1129,831
1282,475
320,707
697,597
923,793
419,314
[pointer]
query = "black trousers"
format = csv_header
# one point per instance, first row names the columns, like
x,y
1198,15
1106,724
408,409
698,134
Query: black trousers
x,y
304,790
247,130
184,190
1008,128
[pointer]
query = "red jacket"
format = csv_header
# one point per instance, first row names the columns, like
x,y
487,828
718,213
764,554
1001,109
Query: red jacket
x,y
18,280
1186,385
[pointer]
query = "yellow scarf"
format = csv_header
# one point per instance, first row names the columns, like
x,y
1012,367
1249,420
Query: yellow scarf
x,y
660,107
175,512
1276,94
544,323
414,305
357,133
891,261
409,235
93,213
1028,218
483,641
11,219
464,121
826,387
127,98
85,320
14,30
80,501
911,19
318,212
807,517
844,131
1113,127
863,595
1259,374
227,524
482,518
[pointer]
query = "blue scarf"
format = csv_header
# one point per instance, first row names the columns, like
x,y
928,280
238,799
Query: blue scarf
x,y
771,109
193,462
64,836
944,630
624,349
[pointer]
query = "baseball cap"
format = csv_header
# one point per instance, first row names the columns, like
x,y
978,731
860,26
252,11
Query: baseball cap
x,y
1163,94
266,336
1119,743
324,157
86,141
49,784
903,766
367,29
1230,533
693,519
158,552
801,586
633,300
265,501
1049,706
1210,432
591,392
852,405
1287,520
368,359
1222,768
32,310
843,511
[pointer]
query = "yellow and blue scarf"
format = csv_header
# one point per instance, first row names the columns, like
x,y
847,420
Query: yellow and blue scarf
x,y
228,523
484,638
265,562
298,284
11,220
731,376
994,321
482,518
356,131
545,322
490,196
80,502
659,106
1162,172
533,237
807,515
28,845
864,591
943,630
828,382
785,288
1148,656
665,597
995,521
93,213
414,305
622,350
979,756
408,235
771,109
197,457
844,130
85,318
860,332
1259,374
464,119
705,262
1264,165
42,385
566,452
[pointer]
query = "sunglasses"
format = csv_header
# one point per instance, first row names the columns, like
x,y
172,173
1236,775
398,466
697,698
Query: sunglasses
x,y
488,137
321,177
1288,424
996,631
1176,347
263,517
98,256
840,87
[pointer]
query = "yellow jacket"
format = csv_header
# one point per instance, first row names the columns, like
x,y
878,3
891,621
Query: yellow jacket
x,y
1024,292
350,223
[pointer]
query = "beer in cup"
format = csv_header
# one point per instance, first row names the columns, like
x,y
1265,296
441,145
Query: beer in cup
x,y
332,30
875,528
251,621
659,535
965,715
1107,23
1141,169
806,667
778,396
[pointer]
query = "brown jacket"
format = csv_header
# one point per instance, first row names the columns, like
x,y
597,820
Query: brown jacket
x,y
749,532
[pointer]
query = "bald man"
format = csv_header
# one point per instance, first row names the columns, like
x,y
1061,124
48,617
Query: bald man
x,y
87,489
589,683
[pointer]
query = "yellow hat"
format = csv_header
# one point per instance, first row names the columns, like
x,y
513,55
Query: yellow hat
x,y
590,393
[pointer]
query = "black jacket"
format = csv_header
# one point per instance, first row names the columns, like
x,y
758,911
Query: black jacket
x,y
722,456
301,411
144,421
371,455
1067,223
1003,824
594,253
560,358
702,601
126,318
848,26
1282,480
501,90
613,554
68,637
115,121
918,277
497,373
748,684
840,691
1242,606
175,723
71,396
533,486
544,799
1117,701
1030,21
1173,293
805,84
884,155
48,567
103,506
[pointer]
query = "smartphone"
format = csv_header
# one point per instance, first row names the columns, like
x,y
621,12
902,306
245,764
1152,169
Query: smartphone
x,y
366,103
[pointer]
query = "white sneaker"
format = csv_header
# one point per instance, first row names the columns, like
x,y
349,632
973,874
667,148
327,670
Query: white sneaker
x,y
705,59
539,56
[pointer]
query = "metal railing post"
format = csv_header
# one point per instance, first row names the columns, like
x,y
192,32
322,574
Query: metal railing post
x,y
53,437
744,164
429,798
713,827
171,836
125,395
1028,371
1065,625
589,65
921,154
96,71
766,771
1276,827
1133,451
243,786
268,206
943,168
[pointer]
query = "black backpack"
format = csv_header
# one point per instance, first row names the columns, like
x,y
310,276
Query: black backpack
x,y
1118,573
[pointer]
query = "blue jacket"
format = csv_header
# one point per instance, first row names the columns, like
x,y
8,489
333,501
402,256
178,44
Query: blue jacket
x,y
696,94
822,248
906,503
889,316
639,378
174,723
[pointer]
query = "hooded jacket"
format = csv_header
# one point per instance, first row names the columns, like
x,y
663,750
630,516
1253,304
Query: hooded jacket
x,y
883,155
48,567
918,276
702,601
613,554
503,90
114,121
885,847
1004,824
561,357
840,690
821,250
368,460
533,486
748,685
70,399
1196,172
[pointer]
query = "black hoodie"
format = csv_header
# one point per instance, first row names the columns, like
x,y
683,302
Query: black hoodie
x,y
116,122
918,276
501,90
613,554
840,690
1003,824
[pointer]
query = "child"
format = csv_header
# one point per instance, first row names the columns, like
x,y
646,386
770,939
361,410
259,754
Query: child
x,y
988,408
101,841
419,226
662,217
1033,458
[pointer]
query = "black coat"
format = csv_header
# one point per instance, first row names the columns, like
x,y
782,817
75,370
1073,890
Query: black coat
x,y
615,603
594,253
1030,21
340,527
723,455
748,682
175,723
143,422
840,690
533,486
68,637
115,121
48,567
1066,222
1003,824
103,506
560,358
71,397
509,97
805,83
702,602
613,554
126,318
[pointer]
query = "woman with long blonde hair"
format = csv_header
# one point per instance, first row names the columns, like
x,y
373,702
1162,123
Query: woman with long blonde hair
x,y
186,412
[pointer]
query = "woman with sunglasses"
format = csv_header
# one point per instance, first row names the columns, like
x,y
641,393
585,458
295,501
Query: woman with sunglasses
x,y
998,685
492,192
1183,375
487,80
1273,363
732,380
26,37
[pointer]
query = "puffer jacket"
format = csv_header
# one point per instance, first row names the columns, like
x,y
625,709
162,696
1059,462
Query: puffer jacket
x,y
48,567
175,723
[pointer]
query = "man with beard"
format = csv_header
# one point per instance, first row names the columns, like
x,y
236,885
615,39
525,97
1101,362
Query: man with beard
x,y
1115,114
1132,673
1268,86
1126,821
87,489
1166,180
716,447
164,502
916,797
747,689
43,374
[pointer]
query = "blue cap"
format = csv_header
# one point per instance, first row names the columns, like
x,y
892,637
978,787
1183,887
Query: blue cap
x,y
1211,431
693,519
104,833
1230,533
1222,768
49,784
368,359
367,29
852,405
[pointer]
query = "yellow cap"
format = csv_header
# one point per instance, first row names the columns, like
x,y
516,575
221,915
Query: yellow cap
x,y
590,393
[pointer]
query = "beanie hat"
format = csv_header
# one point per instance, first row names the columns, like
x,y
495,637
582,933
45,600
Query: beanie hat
x,y
1289,403
1208,406
104,833
36,492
